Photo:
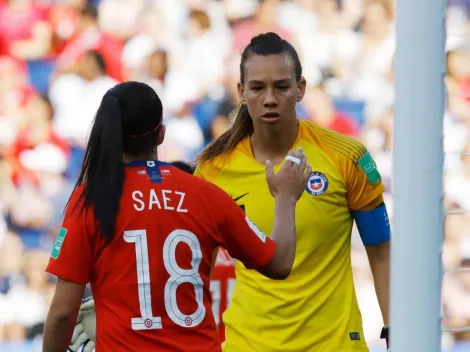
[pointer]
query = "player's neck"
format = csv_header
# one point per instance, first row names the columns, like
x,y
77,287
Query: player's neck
x,y
127,158
267,144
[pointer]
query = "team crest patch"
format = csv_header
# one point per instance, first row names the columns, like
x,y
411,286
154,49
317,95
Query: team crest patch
x,y
317,184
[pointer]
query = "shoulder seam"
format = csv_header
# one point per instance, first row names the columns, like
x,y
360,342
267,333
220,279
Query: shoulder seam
x,y
349,147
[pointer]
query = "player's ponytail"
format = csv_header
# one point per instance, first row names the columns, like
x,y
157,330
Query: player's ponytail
x,y
128,123
102,172
242,127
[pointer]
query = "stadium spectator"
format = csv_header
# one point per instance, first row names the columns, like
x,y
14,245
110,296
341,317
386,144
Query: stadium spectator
x,y
27,301
367,72
89,36
321,110
75,97
25,29
64,17
265,19
223,119
37,148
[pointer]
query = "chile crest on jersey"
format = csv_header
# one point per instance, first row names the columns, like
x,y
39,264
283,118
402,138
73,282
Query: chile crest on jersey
x,y
317,184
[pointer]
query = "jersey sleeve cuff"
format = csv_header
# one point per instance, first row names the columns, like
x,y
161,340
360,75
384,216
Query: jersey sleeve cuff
x,y
380,189
61,274
265,257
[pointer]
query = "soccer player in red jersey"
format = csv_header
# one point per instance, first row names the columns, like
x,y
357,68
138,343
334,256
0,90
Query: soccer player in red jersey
x,y
222,283
143,233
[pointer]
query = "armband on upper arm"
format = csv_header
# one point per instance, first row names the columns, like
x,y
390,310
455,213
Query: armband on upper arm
x,y
373,225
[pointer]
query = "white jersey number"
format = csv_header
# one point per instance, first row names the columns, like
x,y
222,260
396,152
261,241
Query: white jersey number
x,y
178,276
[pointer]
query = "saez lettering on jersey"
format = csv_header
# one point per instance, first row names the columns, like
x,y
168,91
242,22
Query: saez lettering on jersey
x,y
162,199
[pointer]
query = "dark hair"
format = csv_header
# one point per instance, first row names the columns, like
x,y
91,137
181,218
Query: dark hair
x,y
264,45
183,166
127,121
89,11
99,60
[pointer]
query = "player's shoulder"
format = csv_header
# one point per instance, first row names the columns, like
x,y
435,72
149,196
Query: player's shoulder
x,y
211,169
76,198
339,147
205,188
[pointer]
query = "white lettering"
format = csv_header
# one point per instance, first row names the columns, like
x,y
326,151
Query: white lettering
x,y
154,200
180,203
166,199
160,199
141,205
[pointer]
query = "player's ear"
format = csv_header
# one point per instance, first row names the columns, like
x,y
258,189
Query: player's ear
x,y
241,93
161,134
301,85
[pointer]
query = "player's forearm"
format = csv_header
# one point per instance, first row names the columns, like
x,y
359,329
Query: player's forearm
x,y
283,233
379,259
57,332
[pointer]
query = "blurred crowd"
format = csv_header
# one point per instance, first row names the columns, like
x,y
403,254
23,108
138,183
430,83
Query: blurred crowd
x,y
59,57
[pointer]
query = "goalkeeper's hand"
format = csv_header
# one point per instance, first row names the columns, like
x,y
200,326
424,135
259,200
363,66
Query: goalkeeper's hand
x,y
84,333
384,335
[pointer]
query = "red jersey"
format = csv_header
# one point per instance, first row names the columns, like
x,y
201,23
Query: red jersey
x,y
222,282
23,144
151,282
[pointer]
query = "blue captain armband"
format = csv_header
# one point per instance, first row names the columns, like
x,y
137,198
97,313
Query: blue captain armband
x,y
373,225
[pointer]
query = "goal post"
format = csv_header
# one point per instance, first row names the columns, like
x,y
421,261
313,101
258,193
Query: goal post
x,y
416,265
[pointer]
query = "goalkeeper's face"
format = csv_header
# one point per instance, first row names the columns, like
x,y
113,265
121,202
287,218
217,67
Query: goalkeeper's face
x,y
270,90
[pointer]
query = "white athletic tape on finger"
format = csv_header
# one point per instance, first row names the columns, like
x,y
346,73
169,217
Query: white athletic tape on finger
x,y
293,159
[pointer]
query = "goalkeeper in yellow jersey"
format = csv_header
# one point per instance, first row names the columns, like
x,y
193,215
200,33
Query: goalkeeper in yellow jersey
x,y
315,309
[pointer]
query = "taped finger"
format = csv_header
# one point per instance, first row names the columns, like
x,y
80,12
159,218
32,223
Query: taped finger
x,y
294,159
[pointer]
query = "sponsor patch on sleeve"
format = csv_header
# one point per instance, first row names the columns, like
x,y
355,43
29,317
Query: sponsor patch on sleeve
x,y
369,167
58,243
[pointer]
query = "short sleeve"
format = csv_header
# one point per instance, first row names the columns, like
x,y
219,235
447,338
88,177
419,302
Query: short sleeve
x,y
363,181
241,237
72,253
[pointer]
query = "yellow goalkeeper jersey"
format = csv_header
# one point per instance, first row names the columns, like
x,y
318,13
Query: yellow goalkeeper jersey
x,y
315,309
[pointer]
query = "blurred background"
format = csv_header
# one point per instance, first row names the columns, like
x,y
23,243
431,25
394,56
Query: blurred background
x,y
59,57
